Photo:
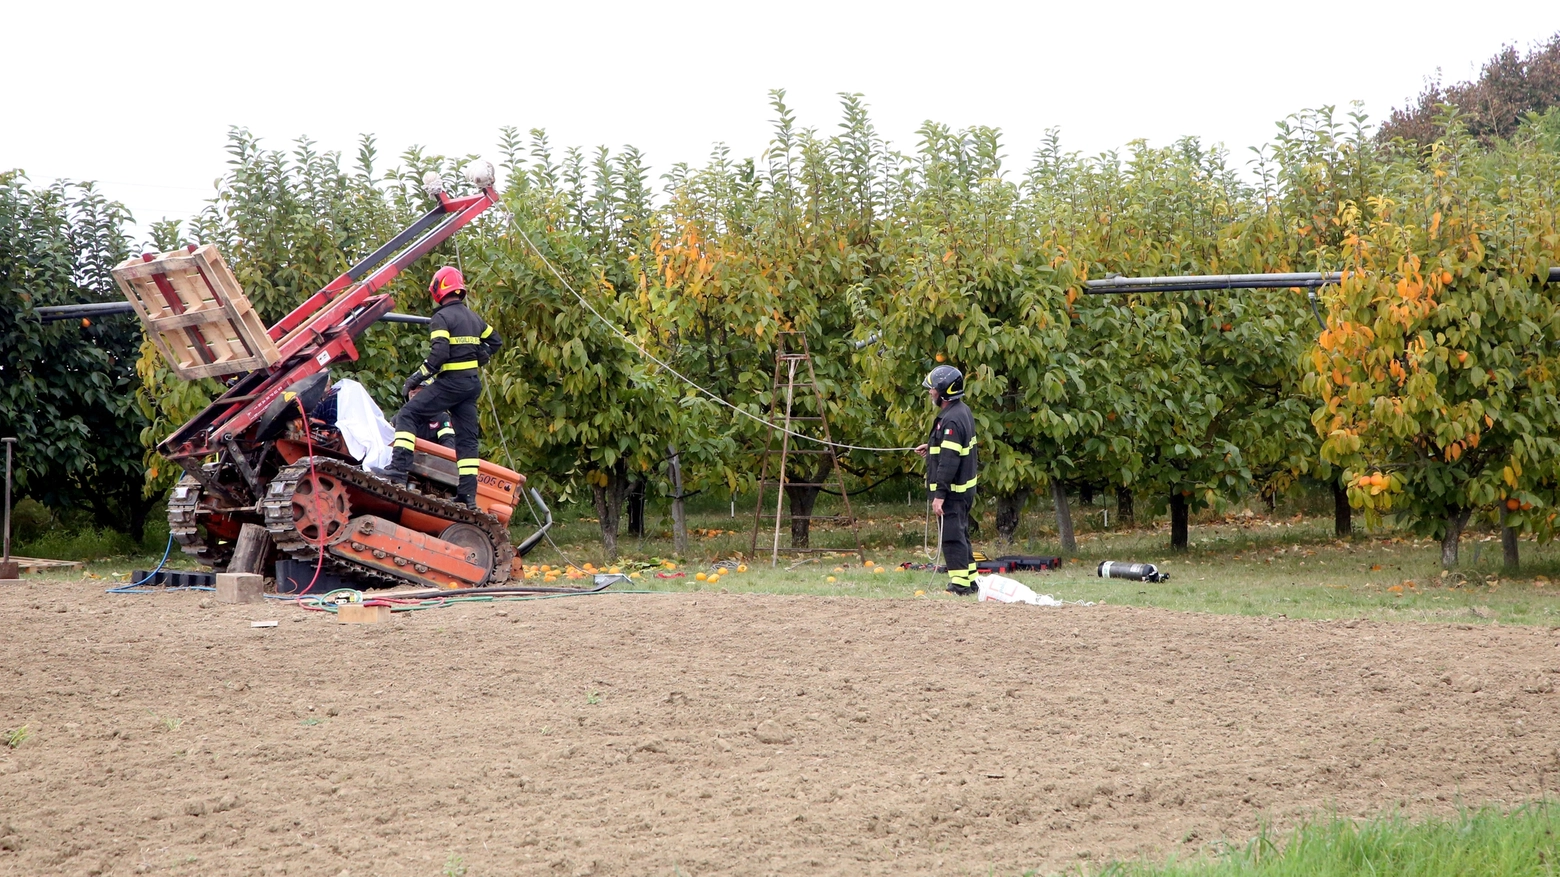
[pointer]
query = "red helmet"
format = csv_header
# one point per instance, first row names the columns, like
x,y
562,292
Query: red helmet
x,y
446,282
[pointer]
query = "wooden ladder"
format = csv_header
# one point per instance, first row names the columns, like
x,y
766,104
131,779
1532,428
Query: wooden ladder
x,y
791,353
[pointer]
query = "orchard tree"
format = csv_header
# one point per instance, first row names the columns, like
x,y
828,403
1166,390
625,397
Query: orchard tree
x,y
977,287
1438,370
67,389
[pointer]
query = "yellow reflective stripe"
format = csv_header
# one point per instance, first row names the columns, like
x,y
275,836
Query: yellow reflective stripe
x,y
956,448
933,449
439,333
488,331
458,366
468,465
448,430
960,488
407,440
932,487
463,339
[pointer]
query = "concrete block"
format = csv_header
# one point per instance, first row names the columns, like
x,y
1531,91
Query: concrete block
x,y
240,587
10,569
357,613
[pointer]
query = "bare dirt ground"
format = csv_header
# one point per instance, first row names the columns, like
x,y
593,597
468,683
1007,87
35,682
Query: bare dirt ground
x,y
700,734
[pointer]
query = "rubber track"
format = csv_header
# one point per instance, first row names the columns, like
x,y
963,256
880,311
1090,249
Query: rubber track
x,y
184,524
277,505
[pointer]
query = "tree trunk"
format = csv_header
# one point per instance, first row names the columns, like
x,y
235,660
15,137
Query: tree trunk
x,y
609,502
1086,494
1449,543
1343,513
635,501
1126,516
1511,561
679,516
802,500
1064,527
1010,508
1180,512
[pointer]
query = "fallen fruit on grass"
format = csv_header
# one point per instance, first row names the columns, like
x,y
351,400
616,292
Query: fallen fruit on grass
x,y
714,579
742,568
868,564
701,577
878,569
830,579
920,593
615,570
669,565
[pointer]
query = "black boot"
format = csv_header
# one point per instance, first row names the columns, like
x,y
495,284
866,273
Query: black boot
x,y
466,493
400,467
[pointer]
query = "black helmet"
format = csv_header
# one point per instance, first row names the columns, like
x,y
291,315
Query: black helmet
x,y
947,381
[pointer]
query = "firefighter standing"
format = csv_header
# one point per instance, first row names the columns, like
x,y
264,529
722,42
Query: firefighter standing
x,y
461,343
950,473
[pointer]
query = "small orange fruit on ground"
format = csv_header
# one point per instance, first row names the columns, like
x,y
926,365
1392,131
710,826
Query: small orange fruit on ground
x,y
831,579
700,577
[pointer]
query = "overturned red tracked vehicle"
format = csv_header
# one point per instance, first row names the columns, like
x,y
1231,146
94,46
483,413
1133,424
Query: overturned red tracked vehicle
x,y
276,459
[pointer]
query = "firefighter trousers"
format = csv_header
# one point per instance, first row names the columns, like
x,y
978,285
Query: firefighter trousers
x,y
957,554
455,392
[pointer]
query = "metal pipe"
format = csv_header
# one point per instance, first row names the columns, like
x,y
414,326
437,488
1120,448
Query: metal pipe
x,y
9,443
1304,280
1193,283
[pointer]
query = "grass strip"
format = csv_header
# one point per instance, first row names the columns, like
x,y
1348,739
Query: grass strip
x,y
1486,841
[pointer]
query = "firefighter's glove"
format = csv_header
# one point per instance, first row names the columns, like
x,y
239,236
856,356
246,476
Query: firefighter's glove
x,y
413,382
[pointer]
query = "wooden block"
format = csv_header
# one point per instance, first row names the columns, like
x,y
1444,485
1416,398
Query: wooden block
x,y
10,570
240,587
357,613
251,550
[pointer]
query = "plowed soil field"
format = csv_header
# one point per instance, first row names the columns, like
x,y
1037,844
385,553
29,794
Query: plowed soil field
x,y
702,734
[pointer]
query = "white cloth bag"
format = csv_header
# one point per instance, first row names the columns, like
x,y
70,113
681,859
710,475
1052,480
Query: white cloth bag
x,y
1002,589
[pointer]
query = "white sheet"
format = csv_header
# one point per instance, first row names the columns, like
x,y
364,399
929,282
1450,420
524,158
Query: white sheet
x,y
363,426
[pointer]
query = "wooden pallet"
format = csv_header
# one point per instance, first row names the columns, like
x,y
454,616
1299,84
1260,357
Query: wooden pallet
x,y
196,313
36,564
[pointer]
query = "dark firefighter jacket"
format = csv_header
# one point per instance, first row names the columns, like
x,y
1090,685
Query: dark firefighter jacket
x,y
461,341
950,457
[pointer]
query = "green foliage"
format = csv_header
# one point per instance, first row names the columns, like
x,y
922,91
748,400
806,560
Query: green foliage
x,y
1486,841
67,389
14,737
1194,400
1440,364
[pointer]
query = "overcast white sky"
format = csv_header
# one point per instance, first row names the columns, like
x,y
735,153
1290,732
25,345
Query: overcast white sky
x,y
140,95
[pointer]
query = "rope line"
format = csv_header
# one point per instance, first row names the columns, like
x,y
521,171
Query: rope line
x,y
679,375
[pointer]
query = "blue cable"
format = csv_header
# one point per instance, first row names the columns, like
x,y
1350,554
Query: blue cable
x,y
134,587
